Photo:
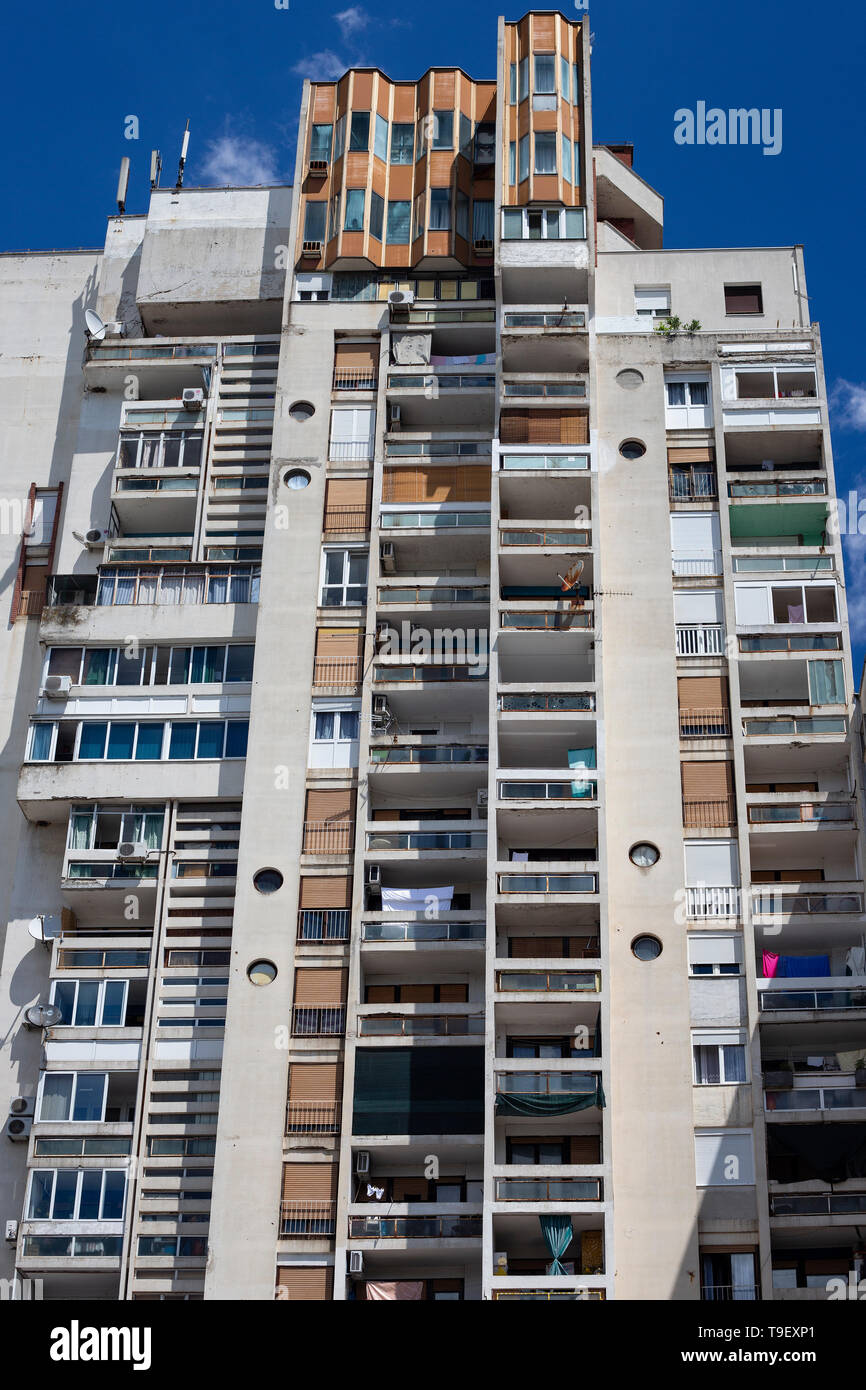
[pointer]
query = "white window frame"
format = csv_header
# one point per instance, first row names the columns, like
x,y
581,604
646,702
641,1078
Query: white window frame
x,y
731,371
803,586
356,444
689,415
525,211
93,809
718,1040
727,1140
344,751
346,551
129,430
653,302
79,1182
68,1120
100,1002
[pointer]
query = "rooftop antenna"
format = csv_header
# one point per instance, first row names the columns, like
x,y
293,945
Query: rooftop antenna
x,y
155,169
184,147
123,185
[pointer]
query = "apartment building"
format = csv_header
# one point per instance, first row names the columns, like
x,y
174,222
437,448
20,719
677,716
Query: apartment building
x,y
484,921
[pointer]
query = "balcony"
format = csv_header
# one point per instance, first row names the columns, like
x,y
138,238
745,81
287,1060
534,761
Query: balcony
x,y
700,639
531,702
583,789
307,1219
788,809
705,564
549,1093
343,520
313,1117
531,387
717,813
705,723
707,902
450,838
318,1021
160,501
549,338
413,1021
543,254
330,925
693,484
442,768
543,535
338,672
445,1227
811,1001
328,837
354,379
442,395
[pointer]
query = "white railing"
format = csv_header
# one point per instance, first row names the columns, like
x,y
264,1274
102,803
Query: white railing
x,y
696,566
700,639
721,901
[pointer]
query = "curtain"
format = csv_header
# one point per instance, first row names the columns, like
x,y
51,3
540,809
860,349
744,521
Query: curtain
x,y
440,210
558,1235
96,666
770,964
125,589
80,830
743,1276
826,683
218,588
147,587
581,757
105,591
170,589
56,1096
397,1290
514,1103
416,899
153,821
482,219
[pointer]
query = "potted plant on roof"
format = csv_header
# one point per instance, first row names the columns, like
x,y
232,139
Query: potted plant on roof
x,y
778,1075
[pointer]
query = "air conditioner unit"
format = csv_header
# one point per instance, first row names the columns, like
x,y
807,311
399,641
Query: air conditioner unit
x,y
383,632
482,248
21,1105
132,850
95,538
395,417
380,705
193,398
18,1128
362,1161
373,875
401,299
317,168
312,248
387,557
12,1231
56,687
356,1262
481,800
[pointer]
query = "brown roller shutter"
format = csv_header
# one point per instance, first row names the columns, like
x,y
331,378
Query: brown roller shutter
x,y
543,427
417,994
347,504
431,484
381,994
513,427
574,427
339,641
705,454
337,803
702,692
352,356
329,821
325,986
325,892
708,794
315,1081
315,1285
585,1148
453,994
538,947
309,1182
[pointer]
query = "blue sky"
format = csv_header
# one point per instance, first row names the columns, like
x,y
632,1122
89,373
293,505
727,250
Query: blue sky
x,y
72,75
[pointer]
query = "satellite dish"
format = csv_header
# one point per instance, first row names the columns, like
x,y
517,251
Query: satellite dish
x,y
96,329
42,1016
45,928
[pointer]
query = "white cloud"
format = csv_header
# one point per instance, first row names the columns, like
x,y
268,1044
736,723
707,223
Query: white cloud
x,y
855,574
352,20
324,66
239,161
848,402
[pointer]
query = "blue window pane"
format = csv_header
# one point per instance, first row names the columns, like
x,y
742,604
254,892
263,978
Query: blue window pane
x,y
182,743
92,744
398,222
40,747
64,999
39,1208
112,1004
88,998
380,147
354,209
113,1194
91,1190
236,738
211,735
64,1194
149,745
120,741
89,1094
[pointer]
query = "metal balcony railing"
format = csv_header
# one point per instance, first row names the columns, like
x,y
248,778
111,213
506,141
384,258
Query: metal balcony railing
x,y
346,519
441,754
548,1190
814,487
308,1217
564,537
434,380
557,318
439,520
584,787
781,642
700,483
768,902
700,639
420,1025
543,704
414,1227
324,924
423,931
800,1000
544,389
819,1204
728,1293
802,812
420,675
548,981
784,726
524,462
551,620
445,593
427,839
350,450
547,1083
313,1117
723,901
548,883
817,1098
715,813
318,1020
550,1295
697,566
328,837
355,379
338,671
705,723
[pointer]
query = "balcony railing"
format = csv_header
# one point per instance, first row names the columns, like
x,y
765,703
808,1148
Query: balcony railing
x,y
817,1098
700,639
427,839
548,981
777,1001
437,448
344,671
705,723
328,837
802,812
435,380
820,1204
307,1218
526,386
355,379
784,726
350,450
434,520
548,883
814,487
697,566
442,593
768,902
558,318
423,931
584,787
346,519
420,1025
544,704
780,642
124,585
318,1021
547,462
414,1227
716,813
563,537
722,901
437,753
730,1293
695,486
324,924
421,675
313,1117
551,620
550,1295
547,1083
548,1190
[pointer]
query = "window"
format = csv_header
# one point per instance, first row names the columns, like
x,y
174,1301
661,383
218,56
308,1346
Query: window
x,y
440,209
688,401
566,158
564,78
696,543
523,76
482,219
359,133
208,738
90,1003
545,152
354,210
402,143
826,683
76,1194
512,84
485,143
159,448
315,216
334,217
652,304
462,215
537,224
715,955
344,578
719,1059
465,136
103,827
443,130
743,299
377,215
320,142
523,160
418,215
72,1096
512,162
380,139
352,432
545,72
731,1277
398,222
339,137
759,605
334,734
724,1158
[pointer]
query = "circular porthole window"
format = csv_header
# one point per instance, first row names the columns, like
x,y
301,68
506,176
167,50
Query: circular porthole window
x,y
632,449
267,880
261,972
644,854
296,478
629,378
301,411
646,947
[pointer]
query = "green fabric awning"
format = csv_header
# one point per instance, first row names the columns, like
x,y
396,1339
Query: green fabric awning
x,y
537,1103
